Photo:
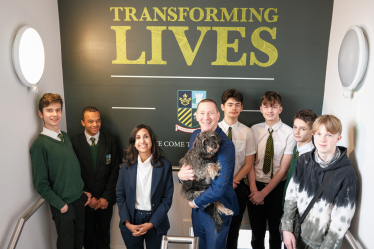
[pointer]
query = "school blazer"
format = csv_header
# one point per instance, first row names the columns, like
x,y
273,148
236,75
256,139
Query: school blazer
x,y
102,182
162,190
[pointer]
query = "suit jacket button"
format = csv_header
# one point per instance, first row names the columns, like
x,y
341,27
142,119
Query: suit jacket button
x,y
153,205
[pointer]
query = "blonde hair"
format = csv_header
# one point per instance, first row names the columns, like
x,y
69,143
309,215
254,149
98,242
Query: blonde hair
x,y
331,123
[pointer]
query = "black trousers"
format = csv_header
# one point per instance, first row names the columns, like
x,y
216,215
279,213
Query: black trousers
x,y
242,192
70,225
271,212
97,228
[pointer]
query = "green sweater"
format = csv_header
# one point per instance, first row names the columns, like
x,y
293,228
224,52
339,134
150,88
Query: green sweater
x,y
56,170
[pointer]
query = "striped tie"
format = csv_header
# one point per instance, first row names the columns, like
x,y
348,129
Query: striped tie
x,y
61,137
92,141
296,155
229,134
269,153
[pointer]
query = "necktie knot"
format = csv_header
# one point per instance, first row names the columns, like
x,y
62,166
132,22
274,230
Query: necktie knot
x,y
61,137
270,131
229,134
92,141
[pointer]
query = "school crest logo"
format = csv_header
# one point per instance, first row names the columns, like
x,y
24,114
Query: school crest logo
x,y
187,102
108,158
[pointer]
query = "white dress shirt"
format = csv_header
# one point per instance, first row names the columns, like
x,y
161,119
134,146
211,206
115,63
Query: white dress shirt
x,y
88,137
51,134
244,142
305,148
284,143
144,184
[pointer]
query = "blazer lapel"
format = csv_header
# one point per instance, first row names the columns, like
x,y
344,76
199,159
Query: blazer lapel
x,y
101,152
86,152
132,172
156,177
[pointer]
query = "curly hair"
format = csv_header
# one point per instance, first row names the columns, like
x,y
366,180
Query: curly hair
x,y
89,109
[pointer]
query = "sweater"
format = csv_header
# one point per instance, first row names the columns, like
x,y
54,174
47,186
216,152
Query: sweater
x,y
56,170
330,217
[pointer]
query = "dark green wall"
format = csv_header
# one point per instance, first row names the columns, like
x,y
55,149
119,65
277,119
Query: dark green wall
x,y
89,49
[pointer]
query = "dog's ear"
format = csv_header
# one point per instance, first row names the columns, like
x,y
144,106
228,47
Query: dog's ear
x,y
200,145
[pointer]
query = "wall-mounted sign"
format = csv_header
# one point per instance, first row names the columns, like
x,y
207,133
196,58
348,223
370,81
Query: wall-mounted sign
x,y
151,62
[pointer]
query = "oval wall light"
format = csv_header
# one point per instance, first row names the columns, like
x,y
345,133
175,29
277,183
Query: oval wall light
x,y
353,59
28,56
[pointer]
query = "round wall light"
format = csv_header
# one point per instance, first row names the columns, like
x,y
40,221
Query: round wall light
x,y
353,59
28,56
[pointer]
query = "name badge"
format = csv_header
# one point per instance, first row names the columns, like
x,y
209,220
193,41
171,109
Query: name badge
x,y
108,158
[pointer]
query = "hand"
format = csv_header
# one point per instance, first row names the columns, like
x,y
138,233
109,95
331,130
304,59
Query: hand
x,y
64,209
145,227
235,183
192,204
93,203
257,197
89,198
102,203
289,240
186,173
136,231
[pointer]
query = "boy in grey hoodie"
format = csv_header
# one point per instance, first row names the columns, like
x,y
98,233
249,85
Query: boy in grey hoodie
x,y
331,215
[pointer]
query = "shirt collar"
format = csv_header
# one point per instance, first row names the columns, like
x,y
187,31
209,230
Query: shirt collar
x,y
305,148
275,127
146,162
88,137
51,133
226,125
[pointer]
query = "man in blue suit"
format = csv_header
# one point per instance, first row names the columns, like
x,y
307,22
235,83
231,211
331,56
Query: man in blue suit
x,y
221,188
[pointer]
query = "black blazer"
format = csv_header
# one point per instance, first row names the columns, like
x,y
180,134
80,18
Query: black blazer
x,y
102,183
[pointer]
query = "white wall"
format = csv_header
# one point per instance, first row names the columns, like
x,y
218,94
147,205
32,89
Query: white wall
x,y
356,113
20,123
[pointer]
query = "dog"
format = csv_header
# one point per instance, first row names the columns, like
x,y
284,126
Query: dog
x,y
206,168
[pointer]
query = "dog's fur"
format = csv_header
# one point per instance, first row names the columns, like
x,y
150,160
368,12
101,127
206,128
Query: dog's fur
x,y
206,167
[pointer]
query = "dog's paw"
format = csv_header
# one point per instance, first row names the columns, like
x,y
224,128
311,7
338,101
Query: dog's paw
x,y
213,170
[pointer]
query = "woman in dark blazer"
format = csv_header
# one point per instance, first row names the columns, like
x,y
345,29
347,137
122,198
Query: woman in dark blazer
x,y
144,191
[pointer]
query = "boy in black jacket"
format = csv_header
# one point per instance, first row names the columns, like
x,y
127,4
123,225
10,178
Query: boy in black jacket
x,y
98,156
326,223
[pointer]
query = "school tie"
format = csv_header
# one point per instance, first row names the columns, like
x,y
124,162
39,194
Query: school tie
x,y
92,141
269,153
296,154
61,137
229,134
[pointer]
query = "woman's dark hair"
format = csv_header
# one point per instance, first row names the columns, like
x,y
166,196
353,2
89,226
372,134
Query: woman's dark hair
x,y
131,153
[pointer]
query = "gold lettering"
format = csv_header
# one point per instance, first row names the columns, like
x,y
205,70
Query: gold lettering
x,y
258,16
264,46
275,17
211,12
173,14
183,43
146,15
182,14
222,46
116,12
130,11
244,15
192,17
159,13
234,14
156,45
121,47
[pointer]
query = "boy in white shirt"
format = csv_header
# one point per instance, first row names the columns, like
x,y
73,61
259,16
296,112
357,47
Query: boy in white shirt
x,y
302,132
274,148
243,139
